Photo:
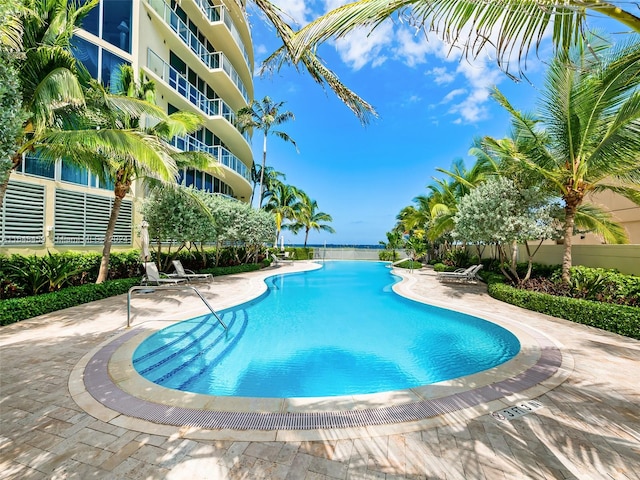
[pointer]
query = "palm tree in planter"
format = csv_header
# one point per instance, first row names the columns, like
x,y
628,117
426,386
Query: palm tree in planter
x,y
264,116
585,137
309,218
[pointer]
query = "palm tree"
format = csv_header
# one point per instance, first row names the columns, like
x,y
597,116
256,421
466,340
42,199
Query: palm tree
x,y
394,241
284,203
123,110
308,218
47,70
264,115
271,178
508,25
585,137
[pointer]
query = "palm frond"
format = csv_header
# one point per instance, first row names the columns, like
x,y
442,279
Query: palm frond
x,y
594,219
58,89
310,61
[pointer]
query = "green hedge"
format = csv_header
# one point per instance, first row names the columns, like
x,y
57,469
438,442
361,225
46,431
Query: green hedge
x,y
618,319
247,267
410,264
16,309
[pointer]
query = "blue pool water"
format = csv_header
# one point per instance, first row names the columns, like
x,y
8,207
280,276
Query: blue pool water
x,y
339,330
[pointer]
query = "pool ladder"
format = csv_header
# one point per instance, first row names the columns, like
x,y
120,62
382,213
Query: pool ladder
x,y
169,287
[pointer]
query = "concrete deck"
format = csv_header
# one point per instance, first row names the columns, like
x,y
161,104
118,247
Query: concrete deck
x,y
51,427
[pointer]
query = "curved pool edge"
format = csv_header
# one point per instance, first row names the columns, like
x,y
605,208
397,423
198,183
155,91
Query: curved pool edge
x,y
105,384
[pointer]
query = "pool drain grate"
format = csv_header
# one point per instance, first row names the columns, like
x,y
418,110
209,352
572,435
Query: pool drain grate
x,y
510,413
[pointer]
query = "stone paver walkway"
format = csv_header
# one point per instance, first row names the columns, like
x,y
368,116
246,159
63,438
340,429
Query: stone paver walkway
x,y
589,427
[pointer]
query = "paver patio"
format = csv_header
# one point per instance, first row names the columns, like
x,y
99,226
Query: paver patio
x,y
588,428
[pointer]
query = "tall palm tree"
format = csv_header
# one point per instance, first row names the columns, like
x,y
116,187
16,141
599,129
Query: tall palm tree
x,y
309,218
284,203
508,25
264,115
121,169
271,178
40,34
586,134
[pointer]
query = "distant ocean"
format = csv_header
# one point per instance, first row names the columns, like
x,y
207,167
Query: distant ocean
x,y
337,245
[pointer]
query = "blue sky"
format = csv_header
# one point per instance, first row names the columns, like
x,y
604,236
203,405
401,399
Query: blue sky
x,y
431,107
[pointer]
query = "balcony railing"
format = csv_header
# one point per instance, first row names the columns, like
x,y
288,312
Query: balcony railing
x,y
220,13
225,157
178,82
212,60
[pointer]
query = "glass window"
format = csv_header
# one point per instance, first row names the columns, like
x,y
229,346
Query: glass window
x,y
86,53
189,177
39,168
116,23
107,184
198,180
216,185
91,23
208,183
180,176
110,63
74,174
177,63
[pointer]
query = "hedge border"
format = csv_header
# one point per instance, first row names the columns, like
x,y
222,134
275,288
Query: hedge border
x,y
17,309
620,319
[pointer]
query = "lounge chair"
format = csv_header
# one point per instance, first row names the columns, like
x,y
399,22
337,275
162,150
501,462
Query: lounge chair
x,y
187,274
461,275
154,277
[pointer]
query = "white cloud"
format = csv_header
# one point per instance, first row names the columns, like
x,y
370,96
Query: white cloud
x,y
298,10
361,47
441,76
453,94
414,48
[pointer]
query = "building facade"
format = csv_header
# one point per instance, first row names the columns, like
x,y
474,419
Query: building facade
x,y
200,56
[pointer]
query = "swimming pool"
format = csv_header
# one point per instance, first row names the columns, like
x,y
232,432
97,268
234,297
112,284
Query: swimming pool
x,y
339,330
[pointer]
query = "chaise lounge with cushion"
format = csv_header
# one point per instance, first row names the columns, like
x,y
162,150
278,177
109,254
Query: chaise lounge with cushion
x,y
469,274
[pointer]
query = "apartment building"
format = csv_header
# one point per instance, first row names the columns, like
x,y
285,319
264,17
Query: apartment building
x,y
199,54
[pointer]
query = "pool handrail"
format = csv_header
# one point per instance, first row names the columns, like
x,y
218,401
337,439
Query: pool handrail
x,y
169,287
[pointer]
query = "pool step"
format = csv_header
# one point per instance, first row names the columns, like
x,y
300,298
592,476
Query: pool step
x,y
189,348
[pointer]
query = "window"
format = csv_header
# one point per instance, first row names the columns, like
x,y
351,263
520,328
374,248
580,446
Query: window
x,y
110,63
116,23
189,177
40,168
74,174
87,53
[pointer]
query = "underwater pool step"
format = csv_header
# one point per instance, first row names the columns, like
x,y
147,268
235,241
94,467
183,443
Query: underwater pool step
x,y
196,353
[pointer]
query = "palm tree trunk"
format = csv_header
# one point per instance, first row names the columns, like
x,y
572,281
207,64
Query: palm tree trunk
x,y
106,249
569,220
121,189
15,161
306,237
264,163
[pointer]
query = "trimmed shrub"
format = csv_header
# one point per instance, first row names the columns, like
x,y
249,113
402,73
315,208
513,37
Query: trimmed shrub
x,y
441,267
16,309
247,267
410,264
619,319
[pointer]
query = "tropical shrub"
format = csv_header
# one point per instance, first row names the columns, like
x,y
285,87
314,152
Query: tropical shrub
x,y
16,309
620,319
388,255
410,264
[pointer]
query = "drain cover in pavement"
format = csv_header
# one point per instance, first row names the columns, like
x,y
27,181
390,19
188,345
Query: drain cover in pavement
x,y
516,411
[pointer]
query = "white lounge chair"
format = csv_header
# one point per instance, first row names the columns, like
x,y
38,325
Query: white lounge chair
x,y
187,274
461,275
153,276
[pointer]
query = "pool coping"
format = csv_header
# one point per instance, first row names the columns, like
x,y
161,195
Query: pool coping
x,y
105,384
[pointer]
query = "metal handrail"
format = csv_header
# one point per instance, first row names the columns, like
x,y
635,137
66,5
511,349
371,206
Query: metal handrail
x,y
169,287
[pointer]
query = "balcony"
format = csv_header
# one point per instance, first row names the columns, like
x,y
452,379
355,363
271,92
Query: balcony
x,y
179,83
212,60
220,13
224,156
